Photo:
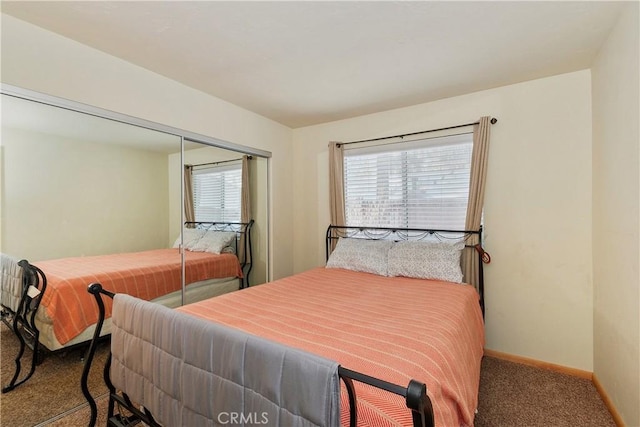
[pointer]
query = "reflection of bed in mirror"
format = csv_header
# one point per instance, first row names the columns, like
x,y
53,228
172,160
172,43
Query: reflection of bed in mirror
x,y
66,317
74,184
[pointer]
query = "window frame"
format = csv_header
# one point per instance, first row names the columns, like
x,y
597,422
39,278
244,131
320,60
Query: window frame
x,y
412,206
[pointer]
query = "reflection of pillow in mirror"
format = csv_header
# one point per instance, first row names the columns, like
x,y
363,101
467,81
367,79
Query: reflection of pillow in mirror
x,y
426,260
191,237
369,256
229,249
214,241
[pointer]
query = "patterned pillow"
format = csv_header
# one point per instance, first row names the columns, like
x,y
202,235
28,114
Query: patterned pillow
x,y
191,237
368,256
214,241
426,260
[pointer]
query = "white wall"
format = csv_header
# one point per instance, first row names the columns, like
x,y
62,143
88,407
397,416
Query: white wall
x,y
616,215
62,197
40,60
537,207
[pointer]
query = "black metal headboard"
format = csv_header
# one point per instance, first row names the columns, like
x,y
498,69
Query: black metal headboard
x,y
335,232
243,241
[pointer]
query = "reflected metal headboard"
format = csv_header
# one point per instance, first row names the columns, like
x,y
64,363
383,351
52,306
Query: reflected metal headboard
x,y
243,241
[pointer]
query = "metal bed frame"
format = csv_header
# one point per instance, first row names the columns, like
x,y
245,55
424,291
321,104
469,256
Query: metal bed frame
x,y
34,284
415,392
22,321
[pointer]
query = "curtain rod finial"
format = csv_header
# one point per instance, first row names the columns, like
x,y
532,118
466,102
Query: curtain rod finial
x,y
494,121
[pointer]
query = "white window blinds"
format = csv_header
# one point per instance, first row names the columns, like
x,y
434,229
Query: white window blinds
x,y
418,184
217,193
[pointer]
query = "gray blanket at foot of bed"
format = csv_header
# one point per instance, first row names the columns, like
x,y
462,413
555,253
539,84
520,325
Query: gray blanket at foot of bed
x,y
191,372
11,282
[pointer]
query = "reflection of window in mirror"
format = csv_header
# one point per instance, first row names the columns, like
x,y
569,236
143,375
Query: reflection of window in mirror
x,y
217,191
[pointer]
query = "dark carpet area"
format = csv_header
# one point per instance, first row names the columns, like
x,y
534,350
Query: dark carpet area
x,y
511,394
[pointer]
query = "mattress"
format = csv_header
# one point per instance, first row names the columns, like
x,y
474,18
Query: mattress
x,y
392,328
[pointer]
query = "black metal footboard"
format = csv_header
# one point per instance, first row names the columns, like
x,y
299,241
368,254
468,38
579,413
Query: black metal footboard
x,y
22,321
415,393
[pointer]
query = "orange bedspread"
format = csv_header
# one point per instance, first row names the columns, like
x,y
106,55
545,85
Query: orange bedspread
x,y
391,328
146,275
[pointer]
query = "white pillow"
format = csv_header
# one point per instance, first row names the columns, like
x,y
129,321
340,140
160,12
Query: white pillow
x,y
191,238
426,260
369,256
214,241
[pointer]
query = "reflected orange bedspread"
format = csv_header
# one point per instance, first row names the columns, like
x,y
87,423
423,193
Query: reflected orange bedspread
x,y
146,275
394,329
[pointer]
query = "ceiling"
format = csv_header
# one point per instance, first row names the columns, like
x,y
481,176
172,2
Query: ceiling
x,y
308,62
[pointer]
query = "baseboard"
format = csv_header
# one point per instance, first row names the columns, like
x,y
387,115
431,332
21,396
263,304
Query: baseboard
x,y
539,364
608,403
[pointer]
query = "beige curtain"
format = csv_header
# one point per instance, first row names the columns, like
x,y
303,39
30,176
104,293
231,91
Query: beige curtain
x,y
336,183
479,157
245,203
336,186
189,213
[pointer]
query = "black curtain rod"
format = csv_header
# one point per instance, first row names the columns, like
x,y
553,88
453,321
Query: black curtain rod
x,y
493,122
222,161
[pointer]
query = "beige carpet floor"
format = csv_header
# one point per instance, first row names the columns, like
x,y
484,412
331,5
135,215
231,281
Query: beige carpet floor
x,y
511,394
514,395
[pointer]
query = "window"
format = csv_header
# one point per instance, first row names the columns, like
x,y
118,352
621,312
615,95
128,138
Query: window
x,y
418,184
217,193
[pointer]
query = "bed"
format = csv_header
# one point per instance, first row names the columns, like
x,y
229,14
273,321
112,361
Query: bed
x,y
49,306
360,313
